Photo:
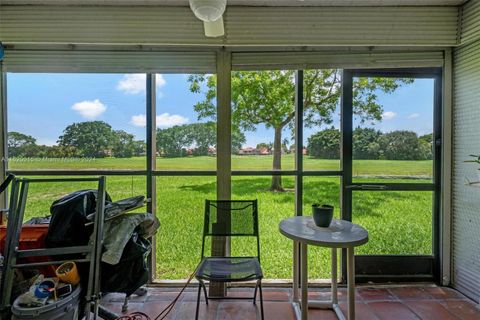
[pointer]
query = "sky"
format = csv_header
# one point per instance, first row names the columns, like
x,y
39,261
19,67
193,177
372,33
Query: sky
x,y
42,105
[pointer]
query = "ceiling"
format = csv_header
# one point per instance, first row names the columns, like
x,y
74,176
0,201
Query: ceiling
x,y
278,3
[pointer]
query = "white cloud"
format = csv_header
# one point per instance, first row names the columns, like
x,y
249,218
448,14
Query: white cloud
x,y
139,120
46,141
135,83
165,120
389,115
89,109
413,116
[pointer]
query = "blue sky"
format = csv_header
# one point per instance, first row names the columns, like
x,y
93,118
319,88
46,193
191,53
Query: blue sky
x,y
42,105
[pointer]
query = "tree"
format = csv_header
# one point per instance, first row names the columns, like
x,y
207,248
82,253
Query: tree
x,y
123,145
425,150
325,144
238,139
427,138
204,136
365,143
267,97
21,145
173,142
60,152
426,142
139,148
91,138
402,145
264,145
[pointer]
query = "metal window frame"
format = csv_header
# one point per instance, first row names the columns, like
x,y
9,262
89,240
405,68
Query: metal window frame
x,y
398,267
345,172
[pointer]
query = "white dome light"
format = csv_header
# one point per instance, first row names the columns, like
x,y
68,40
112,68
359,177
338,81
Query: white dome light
x,y
208,10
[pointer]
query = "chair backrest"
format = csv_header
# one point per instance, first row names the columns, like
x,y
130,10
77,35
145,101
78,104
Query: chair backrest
x,y
231,218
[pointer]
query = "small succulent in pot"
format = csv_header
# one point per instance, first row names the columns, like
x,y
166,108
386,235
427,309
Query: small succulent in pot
x,y
322,214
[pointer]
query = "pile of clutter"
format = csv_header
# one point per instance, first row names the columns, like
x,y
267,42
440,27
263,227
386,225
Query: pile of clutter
x,y
49,290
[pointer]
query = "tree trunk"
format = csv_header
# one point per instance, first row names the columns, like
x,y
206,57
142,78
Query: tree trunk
x,y
277,160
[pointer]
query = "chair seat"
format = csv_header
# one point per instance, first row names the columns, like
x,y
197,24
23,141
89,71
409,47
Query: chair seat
x,y
229,269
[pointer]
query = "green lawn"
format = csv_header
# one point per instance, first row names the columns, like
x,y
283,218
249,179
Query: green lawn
x,y
390,168
398,222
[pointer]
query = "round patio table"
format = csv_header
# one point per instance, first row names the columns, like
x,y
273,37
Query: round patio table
x,y
340,234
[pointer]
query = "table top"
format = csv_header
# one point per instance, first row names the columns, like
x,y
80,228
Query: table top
x,y
340,233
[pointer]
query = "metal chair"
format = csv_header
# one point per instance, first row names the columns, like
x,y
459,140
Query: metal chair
x,y
230,218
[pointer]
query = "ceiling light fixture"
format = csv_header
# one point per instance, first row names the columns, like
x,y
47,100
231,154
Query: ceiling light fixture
x,y
210,12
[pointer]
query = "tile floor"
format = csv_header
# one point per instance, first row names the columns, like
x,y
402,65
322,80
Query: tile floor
x,y
372,303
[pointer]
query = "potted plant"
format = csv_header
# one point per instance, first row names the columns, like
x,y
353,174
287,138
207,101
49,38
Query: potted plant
x,y
322,215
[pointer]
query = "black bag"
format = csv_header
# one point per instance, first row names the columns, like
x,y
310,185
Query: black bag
x,y
131,272
67,228
69,215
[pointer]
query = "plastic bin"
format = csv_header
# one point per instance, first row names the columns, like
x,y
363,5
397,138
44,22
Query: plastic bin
x,y
31,237
63,309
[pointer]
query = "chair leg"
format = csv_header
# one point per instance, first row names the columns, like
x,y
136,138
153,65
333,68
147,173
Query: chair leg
x,y
205,292
198,300
261,299
255,294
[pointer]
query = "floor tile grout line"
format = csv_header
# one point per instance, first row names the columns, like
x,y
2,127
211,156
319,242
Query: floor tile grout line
x,y
446,309
392,297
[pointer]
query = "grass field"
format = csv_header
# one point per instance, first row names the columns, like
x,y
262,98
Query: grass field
x,y
398,222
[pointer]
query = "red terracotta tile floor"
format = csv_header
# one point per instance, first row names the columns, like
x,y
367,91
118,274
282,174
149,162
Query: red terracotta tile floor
x,y
372,303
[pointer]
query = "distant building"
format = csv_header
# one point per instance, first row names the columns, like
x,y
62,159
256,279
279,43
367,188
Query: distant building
x,y
248,151
304,150
254,151
264,151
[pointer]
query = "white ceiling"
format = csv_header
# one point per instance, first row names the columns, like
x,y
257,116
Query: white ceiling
x,y
244,2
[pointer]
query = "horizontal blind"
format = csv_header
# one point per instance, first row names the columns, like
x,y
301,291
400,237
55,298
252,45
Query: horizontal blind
x,y
109,61
348,26
470,22
466,198
299,26
318,60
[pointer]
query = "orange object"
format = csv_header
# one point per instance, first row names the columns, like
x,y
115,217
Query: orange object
x,y
31,237
68,273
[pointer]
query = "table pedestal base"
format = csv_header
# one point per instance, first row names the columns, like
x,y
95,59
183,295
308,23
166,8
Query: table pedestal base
x,y
301,304
319,305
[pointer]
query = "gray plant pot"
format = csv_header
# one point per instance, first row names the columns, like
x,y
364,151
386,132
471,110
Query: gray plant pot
x,y
322,215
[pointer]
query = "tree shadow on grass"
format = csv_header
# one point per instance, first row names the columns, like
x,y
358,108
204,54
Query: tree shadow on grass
x,y
205,188
314,191
369,204
321,192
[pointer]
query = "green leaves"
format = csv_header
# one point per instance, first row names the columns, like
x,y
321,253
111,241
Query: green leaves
x,y
96,139
325,144
268,97
369,143
192,139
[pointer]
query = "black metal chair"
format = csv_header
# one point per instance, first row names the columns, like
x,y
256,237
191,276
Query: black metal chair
x,y
230,218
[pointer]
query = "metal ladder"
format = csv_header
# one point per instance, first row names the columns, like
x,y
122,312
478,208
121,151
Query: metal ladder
x,y
18,199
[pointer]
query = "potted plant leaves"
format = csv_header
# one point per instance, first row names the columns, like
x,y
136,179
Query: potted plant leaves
x,y
322,215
